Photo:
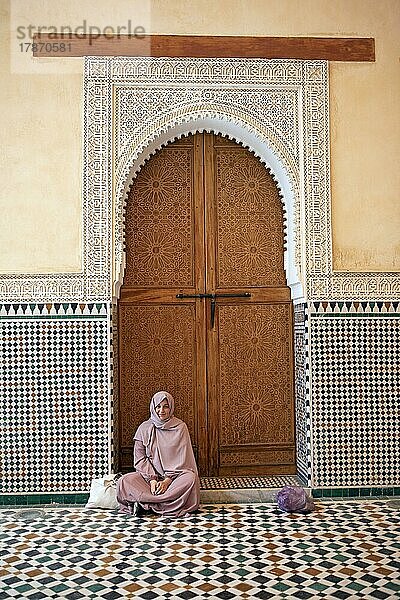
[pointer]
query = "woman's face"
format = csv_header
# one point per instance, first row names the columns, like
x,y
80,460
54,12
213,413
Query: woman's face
x,y
163,410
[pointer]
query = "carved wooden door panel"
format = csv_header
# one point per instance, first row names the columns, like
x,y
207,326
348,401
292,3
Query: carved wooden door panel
x,y
204,310
161,340
250,347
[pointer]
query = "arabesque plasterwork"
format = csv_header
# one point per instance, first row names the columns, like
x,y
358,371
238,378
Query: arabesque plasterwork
x,y
279,109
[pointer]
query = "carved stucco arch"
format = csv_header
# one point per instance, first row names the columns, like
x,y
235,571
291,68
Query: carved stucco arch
x,y
133,105
252,135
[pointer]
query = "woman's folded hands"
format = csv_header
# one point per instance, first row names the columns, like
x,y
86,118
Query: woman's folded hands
x,y
159,487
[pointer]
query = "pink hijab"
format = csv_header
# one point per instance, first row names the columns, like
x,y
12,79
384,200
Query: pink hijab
x,y
167,443
155,401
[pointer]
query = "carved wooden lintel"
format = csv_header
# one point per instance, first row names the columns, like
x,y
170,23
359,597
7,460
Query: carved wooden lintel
x,y
307,48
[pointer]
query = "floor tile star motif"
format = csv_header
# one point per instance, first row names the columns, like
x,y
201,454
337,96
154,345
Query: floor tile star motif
x,y
343,550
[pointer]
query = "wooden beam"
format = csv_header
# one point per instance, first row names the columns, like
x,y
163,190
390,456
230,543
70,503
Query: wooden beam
x,y
307,48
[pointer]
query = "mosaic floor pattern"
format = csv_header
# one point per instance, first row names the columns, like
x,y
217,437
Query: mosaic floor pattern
x,y
348,549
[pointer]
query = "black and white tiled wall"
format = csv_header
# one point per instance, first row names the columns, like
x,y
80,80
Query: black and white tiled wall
x,y
56,393
54,403
355,391
302,392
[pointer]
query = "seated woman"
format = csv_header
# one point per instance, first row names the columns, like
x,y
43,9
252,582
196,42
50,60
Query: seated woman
x,y
166,479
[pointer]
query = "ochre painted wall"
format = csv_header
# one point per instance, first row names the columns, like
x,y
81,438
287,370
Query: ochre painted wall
x,y
40,166
40,228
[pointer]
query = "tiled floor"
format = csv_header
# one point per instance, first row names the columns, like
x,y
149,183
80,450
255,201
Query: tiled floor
x,y
347,549
245,482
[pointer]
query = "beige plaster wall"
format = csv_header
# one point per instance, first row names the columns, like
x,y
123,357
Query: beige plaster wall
x,y
40,198
40,166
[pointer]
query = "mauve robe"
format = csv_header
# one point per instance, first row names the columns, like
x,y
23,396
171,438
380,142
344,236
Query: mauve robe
x,y
161,452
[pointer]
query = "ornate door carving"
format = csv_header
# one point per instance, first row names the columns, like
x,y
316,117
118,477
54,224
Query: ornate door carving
x,y
204,218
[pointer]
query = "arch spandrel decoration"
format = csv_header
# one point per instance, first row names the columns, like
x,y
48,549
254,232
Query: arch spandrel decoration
x,y
201,120
279,109
176,97
276,108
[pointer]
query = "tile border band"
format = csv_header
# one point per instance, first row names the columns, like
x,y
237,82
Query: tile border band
x,y
50,317
8,500
352,315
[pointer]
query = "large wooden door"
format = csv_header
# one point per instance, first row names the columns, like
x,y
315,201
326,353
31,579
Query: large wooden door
x,y
205,311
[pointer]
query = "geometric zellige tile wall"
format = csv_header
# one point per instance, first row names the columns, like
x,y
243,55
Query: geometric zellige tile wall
x,y
355,400
302,396
54,426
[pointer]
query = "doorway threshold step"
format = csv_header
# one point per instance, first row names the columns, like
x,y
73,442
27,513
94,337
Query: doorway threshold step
x,y
244,490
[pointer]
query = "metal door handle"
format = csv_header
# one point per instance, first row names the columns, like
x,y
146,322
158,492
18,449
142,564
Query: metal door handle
x,y
180,296
214,298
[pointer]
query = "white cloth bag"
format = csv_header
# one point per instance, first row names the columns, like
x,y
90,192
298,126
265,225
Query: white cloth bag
x,y
103,493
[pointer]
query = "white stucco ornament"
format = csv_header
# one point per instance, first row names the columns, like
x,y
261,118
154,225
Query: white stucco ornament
x,y
134,106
